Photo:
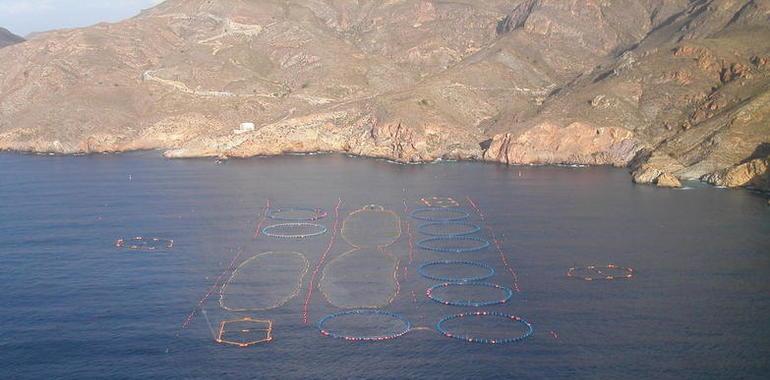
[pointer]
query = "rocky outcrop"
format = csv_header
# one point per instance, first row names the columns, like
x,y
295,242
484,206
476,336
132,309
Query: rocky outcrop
x,y
668,180
7,38
650,174
342,131
517,18
576,143
754,173
655,168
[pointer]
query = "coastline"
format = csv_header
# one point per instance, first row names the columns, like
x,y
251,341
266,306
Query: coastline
x,y
686,184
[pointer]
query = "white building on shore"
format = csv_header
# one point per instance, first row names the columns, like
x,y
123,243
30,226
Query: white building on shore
x,y
245,127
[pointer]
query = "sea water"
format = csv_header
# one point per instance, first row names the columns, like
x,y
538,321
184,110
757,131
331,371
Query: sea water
x,y
75,306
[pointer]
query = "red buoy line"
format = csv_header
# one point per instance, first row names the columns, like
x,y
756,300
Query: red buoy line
x,y
224,273
497,244
395,276
262,220
211,290
499,249
311,284
410,235
410,240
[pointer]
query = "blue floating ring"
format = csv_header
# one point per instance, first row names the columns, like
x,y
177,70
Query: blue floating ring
x,y
462,214
423,272
473,228
317,212
469,303
268,231
364,338
527,334
424,244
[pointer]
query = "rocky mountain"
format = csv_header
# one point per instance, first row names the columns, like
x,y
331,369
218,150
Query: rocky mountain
x,y
7,38
674,89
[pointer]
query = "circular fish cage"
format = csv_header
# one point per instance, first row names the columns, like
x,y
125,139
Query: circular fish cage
x,y
485,327
360,279
297,214
470,294
371,226
440,214
475,271
364,325
601,272
437,201
300,230
266,281
448,229
453,244
140,243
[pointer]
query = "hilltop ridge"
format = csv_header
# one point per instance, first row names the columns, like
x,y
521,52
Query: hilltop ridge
x,y
7,38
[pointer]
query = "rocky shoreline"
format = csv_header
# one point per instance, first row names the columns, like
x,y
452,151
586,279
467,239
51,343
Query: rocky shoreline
x,y
751,175
682,95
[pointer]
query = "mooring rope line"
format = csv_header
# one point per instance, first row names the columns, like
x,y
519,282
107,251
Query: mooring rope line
x,y
219,278
396,283
411,243
211,290
208,322
262,219
497,244
311,285
410,240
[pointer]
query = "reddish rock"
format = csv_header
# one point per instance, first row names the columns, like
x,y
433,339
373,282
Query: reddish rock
x,y
575,144
754,173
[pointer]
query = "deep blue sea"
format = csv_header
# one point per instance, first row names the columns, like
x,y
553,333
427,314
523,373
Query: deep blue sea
x,y
75,306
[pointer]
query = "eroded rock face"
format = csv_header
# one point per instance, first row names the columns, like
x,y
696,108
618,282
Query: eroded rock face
x,y
576,143
650,174
655,168
341,131
755,173
668,180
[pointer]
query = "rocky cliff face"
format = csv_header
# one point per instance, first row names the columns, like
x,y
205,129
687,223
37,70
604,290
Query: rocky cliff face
x,y
7,38
675,89
754,173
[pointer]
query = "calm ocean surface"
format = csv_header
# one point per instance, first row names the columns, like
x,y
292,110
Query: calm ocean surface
x,y
75,306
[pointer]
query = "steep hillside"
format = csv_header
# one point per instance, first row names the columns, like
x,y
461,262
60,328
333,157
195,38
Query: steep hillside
x,y
675,89
7,38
